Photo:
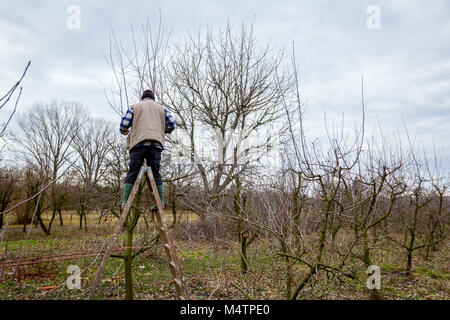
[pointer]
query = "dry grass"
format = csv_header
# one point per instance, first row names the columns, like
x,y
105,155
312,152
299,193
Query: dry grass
x,y
212,270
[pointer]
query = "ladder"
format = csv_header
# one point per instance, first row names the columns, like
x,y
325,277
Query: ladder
x,y
169,248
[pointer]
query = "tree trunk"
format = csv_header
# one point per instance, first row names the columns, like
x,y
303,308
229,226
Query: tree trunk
x,y
70,224
52,218
60,218
409,261
288,264
412,231
39,218
81,219
85,221
242,237
244,260
366,250
41,223
174,209
313,269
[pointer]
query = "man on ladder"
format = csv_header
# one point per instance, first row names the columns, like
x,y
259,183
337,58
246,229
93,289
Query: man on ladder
x,y
149,121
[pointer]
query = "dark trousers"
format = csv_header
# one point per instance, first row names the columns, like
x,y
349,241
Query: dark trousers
x,y
152,156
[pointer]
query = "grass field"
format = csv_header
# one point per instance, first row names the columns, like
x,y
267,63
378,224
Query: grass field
x,y
211,268
94,216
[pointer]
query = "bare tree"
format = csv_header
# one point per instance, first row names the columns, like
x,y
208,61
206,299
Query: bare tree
x,y
45,142
177,176
92,144
436,229
373,191
116,162
225,88
422,189
320,172
136,65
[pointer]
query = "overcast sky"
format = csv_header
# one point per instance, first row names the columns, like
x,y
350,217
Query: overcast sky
x,y
405,63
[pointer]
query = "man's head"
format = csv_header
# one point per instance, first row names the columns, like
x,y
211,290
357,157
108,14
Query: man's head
x,y
148,94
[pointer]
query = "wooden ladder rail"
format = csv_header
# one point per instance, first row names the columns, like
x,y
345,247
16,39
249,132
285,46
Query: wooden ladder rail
x,y
169,248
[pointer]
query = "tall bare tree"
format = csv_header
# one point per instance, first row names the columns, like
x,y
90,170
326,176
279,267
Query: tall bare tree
x,y
45,143
225,89
92,144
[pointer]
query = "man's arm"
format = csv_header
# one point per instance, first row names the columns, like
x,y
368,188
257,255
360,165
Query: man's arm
x,y
126,122
170,122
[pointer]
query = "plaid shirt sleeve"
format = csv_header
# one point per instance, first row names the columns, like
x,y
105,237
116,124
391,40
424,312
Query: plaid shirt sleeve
x,y
170,122
126,121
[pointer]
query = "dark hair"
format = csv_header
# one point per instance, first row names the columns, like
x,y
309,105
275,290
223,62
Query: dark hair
x,y
148,94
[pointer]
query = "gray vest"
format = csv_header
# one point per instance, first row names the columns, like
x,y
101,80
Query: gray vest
x,y
148,123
